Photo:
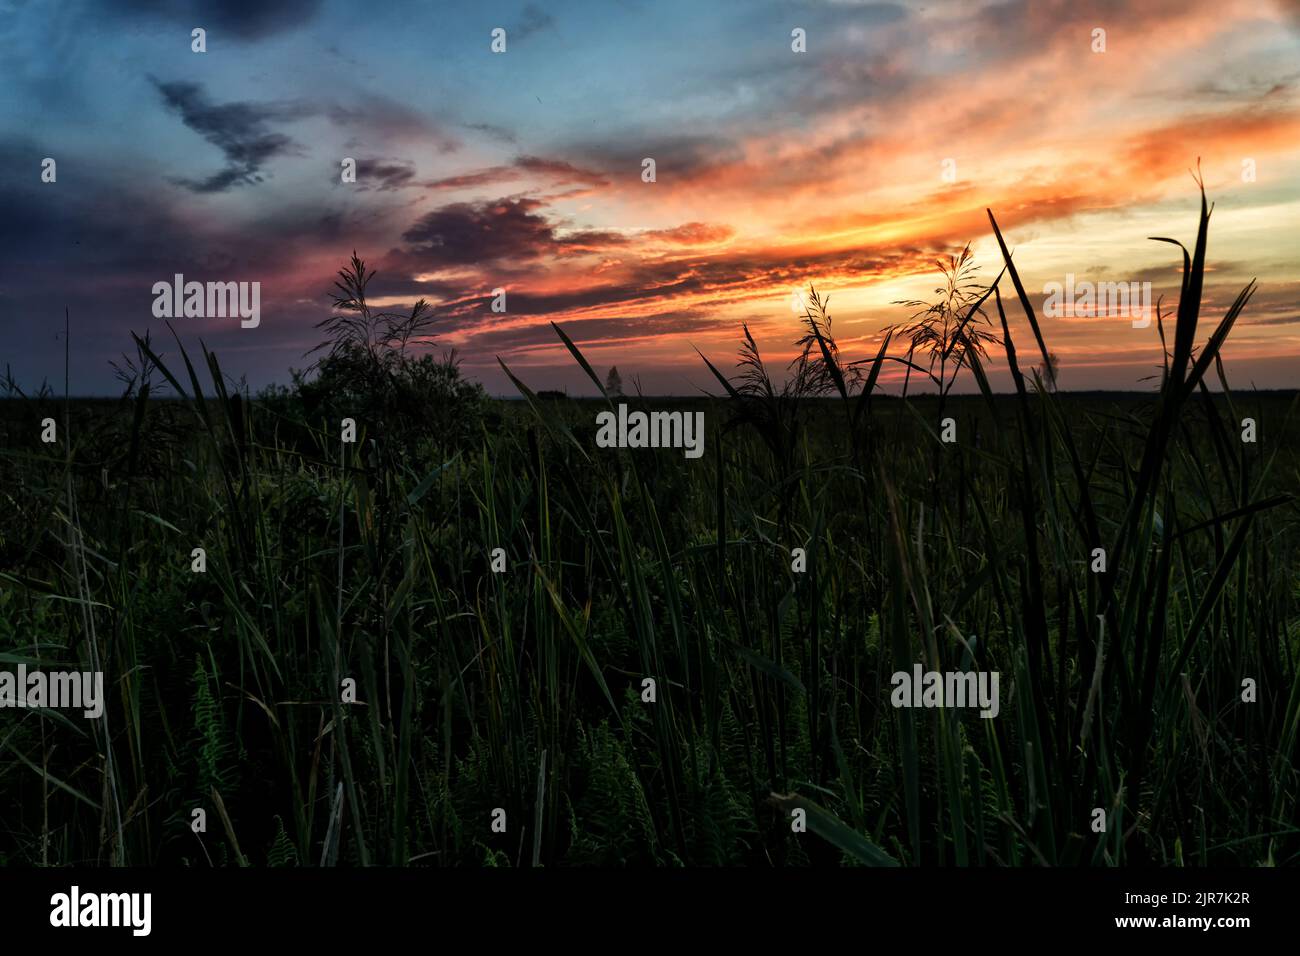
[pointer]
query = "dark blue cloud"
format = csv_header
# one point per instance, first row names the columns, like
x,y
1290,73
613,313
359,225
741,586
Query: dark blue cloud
x,y
243,19
239,130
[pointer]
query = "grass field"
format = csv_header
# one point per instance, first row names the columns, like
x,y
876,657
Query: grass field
x,y
522,689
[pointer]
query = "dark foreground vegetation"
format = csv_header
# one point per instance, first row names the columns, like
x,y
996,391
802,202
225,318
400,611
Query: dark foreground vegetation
x,y
522,690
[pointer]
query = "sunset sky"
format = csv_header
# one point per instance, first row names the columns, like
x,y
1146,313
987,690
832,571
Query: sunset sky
x,y
522,170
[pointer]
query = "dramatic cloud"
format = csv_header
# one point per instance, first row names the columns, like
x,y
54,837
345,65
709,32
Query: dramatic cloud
x,y
243,133
384,174
467,233
239,130
243,19
510,230
693,234
554,171
853,166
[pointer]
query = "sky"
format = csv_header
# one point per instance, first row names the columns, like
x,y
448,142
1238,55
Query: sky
x,y
852,165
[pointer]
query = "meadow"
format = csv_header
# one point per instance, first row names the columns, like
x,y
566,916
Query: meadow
x,y
522,690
